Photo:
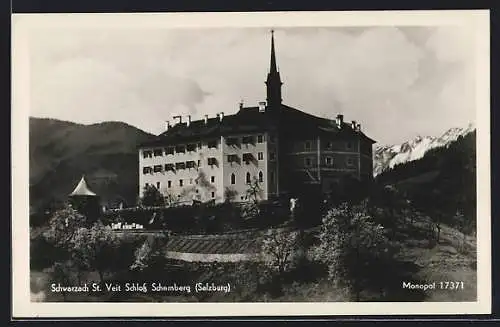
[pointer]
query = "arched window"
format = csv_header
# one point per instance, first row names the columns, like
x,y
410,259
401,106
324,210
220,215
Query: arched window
x,y
248,178
261,177
233,179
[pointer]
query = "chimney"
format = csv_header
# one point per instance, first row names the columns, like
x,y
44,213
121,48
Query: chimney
x,y
206,119
358,127
353,125
167,125
179,118
220,115
188,121
339,120
262,106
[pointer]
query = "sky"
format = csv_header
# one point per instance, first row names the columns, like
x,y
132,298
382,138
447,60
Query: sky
x,y
397,82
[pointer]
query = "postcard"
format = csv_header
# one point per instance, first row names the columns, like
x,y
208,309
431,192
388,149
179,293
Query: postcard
x,y
251,164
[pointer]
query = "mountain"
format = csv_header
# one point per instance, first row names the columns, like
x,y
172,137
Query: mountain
x,y
442,181
60,152
385,157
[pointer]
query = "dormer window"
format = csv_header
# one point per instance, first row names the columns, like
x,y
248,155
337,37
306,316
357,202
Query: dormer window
x,y
232,141
147,154
260,138
248,140
212,144
247,157
169,150
158,152
169,167
232,158
191,147
180,149
180,165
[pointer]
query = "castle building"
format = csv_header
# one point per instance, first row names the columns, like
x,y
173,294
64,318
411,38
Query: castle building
x,y
271,148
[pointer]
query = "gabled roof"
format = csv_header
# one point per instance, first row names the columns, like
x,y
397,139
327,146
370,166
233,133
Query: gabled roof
x,y
82,189
286,119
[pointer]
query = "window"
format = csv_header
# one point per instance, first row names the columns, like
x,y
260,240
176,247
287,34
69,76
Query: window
x,y
212,161
158,152
169,150
180,149
350,162
308,162
261,177
247,157
212,179
272,156
272,138
260,156
181,182
212,144
190,181
260,138
147,154
349,145
146,185
232,158
169,184
191,147
147,170
157,168
169,167
233,179
190,164
329,145
199,163
180,165
158,185
231,141
199,145
248,178
213,195
307,145
329,161
248,140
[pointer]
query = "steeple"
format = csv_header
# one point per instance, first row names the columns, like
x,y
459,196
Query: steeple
x,y
273,82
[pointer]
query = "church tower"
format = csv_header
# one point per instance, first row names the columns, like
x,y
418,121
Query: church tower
x,y
273,82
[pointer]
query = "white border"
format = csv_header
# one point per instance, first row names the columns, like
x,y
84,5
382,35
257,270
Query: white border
x,y
478,20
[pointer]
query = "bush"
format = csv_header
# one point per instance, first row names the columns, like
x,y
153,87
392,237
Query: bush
x,y
353,246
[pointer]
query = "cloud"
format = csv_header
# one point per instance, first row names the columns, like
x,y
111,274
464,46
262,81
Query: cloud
x,y
416,78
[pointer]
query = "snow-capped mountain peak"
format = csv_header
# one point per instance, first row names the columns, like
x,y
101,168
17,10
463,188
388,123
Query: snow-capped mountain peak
x,y
385,157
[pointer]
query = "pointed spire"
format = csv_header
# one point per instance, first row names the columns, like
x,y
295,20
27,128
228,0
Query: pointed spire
x,y
82,189
273,67
273,81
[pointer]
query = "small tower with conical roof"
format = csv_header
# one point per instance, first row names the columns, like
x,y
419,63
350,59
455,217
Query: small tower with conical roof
x,y
86,202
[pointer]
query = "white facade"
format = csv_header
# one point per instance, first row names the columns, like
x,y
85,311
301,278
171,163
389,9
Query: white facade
x,y
204,172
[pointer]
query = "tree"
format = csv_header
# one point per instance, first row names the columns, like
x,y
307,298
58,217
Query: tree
x,y
353,246
230,194
254,190
63,226
152,197
93,248
278,249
